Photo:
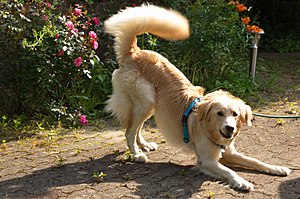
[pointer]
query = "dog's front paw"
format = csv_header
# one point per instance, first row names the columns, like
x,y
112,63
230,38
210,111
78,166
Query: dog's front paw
x,y
279,170
240,183
140,157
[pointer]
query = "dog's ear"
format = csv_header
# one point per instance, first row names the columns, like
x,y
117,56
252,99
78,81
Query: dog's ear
x,y
203,111
246,114
200,90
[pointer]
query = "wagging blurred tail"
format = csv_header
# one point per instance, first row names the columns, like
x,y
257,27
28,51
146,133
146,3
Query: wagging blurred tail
x,y
129,23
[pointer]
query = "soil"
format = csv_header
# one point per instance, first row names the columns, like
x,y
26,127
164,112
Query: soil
x,y
93,162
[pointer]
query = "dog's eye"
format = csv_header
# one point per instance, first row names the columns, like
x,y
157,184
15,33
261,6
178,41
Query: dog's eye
x,y
234,114
220,113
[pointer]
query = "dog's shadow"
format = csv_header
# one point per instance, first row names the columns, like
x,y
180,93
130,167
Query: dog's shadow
x,y
290,189
150,180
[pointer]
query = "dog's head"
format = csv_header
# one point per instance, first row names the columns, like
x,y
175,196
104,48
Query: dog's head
x,y
222,115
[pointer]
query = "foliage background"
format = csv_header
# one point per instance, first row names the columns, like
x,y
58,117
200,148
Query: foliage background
x,y
35,82
34,78
281,22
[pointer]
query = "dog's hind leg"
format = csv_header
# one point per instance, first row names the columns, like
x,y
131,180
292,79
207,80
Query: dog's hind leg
x,y
146,146
133,132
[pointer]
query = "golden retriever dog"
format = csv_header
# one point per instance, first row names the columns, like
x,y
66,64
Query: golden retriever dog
x,y
147,84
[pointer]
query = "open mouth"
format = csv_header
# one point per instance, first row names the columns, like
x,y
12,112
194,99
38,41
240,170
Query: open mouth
x,y
225,135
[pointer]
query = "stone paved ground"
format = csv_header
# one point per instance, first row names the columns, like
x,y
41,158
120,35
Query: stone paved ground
x,y
93,163
62,165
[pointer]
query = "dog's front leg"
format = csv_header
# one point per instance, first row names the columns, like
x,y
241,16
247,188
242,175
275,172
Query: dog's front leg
x,y
209,155
234,158
216,169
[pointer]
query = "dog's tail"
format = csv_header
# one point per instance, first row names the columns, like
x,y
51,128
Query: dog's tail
x,y
129,23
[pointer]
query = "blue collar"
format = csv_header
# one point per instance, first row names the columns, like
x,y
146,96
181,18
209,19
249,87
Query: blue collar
x,y
185,116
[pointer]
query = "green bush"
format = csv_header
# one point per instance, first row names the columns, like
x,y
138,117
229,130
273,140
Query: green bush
x,y
48,60
216,49
289,42
40,42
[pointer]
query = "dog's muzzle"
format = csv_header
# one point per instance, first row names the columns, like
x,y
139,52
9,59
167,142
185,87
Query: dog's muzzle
x,y
228,133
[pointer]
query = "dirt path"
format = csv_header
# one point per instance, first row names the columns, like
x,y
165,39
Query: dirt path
x,y
93,164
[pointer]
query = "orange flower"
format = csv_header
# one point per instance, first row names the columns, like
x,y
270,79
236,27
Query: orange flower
x,y
249,28
241,7
245,20
254,29
232,3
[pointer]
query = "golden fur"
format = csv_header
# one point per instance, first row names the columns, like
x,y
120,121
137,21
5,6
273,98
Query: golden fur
x,y
148,84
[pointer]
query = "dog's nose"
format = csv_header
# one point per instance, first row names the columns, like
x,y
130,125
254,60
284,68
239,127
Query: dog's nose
x,y
229,128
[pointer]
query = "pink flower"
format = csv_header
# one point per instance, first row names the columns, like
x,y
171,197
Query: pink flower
x,y
74,31
78,61
77,12
45,17
95,20
70,25
56,36
83,120
94,44
60,53
48,5
93,34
